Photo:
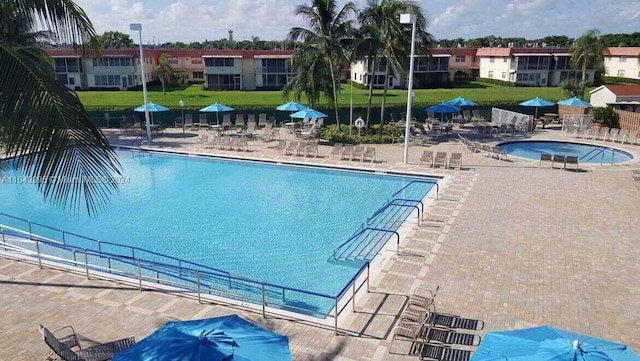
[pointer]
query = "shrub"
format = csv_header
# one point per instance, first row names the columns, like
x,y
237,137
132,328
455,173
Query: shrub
x,y
373,134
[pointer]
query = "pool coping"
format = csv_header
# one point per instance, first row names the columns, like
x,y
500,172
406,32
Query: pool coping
x,y
634,157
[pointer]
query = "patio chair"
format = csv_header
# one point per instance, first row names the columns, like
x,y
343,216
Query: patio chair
x,y
242,144
282,145
226,121
301,150
63,347
427,157
558,158
358,152
498,152
545,157
573,160
589,133
262,120
407,332
266,132
476,117
466,115
602,134
435,334
239,121
204,141
251,117
423,297
369,153
251,128
455,160
179,123
631,137
291,148
311,133
414,316
347,151
274,134
312,148
188,121
440,159
336,150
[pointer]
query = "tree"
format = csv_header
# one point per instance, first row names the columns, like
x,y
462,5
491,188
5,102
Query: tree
x,y
115,40
587,50
45,125
312,74
572,88
394,37
164,71
367,46
328,27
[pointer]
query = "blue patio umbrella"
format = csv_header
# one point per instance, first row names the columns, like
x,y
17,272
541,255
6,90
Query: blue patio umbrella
x,y
216,108
575,102
537,102
152,108
442,108
215,339
549,343
461,102
291,107
308,113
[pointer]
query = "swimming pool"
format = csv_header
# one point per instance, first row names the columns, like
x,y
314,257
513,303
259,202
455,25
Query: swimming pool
x,y
276,224
587,153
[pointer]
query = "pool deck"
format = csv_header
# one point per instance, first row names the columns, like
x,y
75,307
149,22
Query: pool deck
x,y
511,244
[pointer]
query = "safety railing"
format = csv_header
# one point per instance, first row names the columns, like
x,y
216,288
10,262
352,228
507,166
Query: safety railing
x,y
186,277
601,152
434,182
362,231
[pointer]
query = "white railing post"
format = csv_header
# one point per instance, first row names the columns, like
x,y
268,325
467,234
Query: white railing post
x,y
86,263
38,251
335,321
139,275
198,285
264,302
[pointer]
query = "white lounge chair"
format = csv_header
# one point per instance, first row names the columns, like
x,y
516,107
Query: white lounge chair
x,y
440,159
455,160
621,134
613,132
369,153
282,145
347,151
427,157
337,149
358,152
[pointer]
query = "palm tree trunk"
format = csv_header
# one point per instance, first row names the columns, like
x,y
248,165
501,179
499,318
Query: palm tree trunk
x,y
371,68
387,70
584,69
335,92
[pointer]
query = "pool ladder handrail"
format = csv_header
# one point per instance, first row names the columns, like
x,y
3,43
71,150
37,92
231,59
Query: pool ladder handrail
x,y
419,181
335,251
391,203
601,151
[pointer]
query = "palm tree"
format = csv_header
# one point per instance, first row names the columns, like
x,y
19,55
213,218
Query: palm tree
x,y
394,37
164,71
312,74
328,27
367,46
44,124
587,50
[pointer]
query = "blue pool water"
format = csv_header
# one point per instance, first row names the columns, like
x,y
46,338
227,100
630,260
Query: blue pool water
x,y
278,224
586,153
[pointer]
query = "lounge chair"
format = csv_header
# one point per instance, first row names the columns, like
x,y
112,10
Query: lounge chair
x,y
302,148
203,123
434,335
251,117
495,150
621,134
337,149
188,121
455,160
602,133
369,153
311,148
242,144
262,120
545,157
440,159
408,332
466,115
476,117
423,297
291,148
266,132
430,351
558,158
311,133
589,133
251,128
274,134
64,346
571,159
282,145
226,121
239,121
453,321
346,152
204,141
427,157
179,123
613,132
358,152
631,137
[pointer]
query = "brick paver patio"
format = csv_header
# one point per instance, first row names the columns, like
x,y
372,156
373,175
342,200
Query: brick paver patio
x,y
510,244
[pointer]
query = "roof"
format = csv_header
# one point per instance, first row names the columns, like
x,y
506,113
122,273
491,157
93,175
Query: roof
x,y
623,51
193,53
521,51
620,90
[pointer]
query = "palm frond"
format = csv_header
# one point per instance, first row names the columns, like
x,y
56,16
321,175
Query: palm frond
x,y
52,135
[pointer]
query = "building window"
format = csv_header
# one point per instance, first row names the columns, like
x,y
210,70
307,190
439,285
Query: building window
x,y
62,78
504,75
219,62
67,65
198,75
492,59
172,61
107,80
224,81
274,66
72,81
504,59
110,62
490,73
461,58
196,61
130,78
623,59
621,73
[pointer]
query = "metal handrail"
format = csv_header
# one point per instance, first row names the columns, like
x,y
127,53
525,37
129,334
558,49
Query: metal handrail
x,y
389,204
419,181
601,151
368,229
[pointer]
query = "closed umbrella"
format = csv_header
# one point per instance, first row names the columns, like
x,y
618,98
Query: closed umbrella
x,y
549,343
228,338
216,108
537,102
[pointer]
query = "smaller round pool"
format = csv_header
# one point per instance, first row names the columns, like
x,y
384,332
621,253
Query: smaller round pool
x,y
587,153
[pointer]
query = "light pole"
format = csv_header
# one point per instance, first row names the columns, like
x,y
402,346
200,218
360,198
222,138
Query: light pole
x,y
138,28
409,19
181,104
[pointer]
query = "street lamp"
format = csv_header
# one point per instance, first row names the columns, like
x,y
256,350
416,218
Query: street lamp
x,y
138,28
409,19
181,104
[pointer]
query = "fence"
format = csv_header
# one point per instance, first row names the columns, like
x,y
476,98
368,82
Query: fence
x,y
518,120
628,120
576,121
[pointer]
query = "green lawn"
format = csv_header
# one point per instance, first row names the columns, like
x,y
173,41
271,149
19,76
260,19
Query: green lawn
x,y
195,98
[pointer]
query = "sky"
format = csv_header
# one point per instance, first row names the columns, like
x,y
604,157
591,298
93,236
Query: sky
x,y
198,20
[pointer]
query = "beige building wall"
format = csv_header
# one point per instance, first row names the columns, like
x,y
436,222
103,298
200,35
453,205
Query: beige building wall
x,y
496,68
622,66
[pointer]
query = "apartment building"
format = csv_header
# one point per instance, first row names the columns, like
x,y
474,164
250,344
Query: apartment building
x,y
622,62
529,66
